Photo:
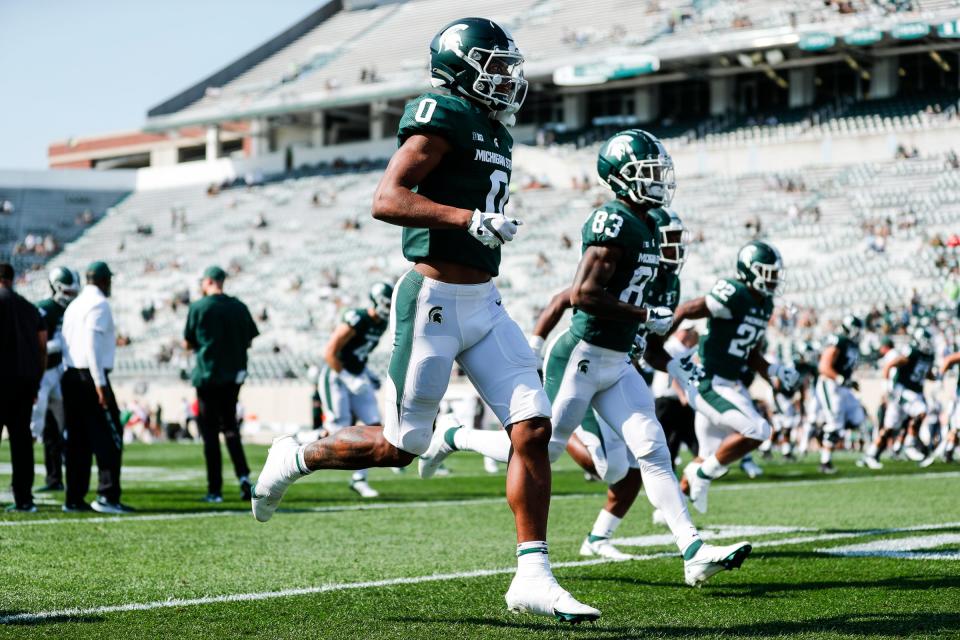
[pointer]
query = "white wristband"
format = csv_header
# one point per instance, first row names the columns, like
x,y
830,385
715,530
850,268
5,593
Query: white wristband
x,y
536,343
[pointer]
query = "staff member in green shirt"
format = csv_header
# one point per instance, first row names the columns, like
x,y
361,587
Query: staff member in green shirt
x,y
220,330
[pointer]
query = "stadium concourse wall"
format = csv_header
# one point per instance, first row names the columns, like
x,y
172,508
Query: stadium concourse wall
x,y
274,408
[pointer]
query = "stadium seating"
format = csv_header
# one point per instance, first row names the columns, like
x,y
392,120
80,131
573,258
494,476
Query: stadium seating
x,y
308,261
64,215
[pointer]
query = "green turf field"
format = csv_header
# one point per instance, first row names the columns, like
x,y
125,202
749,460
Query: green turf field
x,y
432,559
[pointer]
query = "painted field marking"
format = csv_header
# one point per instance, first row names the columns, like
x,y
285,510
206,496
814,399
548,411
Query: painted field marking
x,y
26,618
428,504
909,548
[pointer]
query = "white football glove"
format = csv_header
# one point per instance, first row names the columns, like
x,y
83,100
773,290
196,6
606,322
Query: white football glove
x,y
354,383
493,229
659,320
685,370
536,345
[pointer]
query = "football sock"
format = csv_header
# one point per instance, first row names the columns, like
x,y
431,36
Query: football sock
x,y
359,476
711,468
825,455
300,464
873,450
605,525
532,559
493,444
664,493
786,448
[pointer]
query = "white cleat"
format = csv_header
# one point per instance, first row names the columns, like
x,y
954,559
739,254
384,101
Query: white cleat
x,y
698,486
751,468
914,454
603,548
364,489
710,560
438,450
929,460
543,596
659,519
278,473
870,463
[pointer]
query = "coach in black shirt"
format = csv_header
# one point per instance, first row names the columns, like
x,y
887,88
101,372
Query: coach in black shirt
x,y
23,354
220,330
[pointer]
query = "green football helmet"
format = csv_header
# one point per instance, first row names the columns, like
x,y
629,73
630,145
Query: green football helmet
x,y
476,58
65,285
851,326
673,238
381,295
922,340
635,165
760,267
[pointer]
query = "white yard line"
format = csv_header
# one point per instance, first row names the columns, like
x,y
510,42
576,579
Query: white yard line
x,y
79,612
429,504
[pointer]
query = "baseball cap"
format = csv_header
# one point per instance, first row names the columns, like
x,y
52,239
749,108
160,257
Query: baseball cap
x,y
215,273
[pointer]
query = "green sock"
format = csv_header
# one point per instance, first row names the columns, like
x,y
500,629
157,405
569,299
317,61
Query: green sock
x,y
449,436
691,551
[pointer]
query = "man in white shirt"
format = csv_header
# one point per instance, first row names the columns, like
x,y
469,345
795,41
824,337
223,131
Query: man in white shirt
x,y
92,417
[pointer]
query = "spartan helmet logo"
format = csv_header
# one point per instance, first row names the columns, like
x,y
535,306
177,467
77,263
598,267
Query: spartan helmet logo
x,y
450,40
618,147
746,254
435,315
583,366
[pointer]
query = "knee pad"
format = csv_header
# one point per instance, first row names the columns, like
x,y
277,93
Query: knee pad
x,y
555,449
413,440
430,379
756,429
614,469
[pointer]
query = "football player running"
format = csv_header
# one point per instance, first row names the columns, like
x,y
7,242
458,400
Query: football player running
x,y
588,367
948,441
907,405
834,389
347,387
728,424
447,186
64,287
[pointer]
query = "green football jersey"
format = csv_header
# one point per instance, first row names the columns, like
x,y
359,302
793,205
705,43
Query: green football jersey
x,y
475,174
614,224
912,374
367,333
52,314
725,349
848,353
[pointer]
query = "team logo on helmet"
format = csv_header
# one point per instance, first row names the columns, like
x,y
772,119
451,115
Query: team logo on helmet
x,y
619,146
450,40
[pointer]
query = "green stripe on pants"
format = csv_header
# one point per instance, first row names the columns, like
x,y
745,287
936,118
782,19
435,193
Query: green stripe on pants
x,y
405,315
327,397
826,395
714,399
556,363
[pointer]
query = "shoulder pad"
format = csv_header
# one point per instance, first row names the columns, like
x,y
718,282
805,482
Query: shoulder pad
x,y
437,114
726,291
353,316
603,225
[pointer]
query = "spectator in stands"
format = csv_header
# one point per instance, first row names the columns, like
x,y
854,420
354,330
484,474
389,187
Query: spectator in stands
x,y
23,355
220,330
6,208
90,407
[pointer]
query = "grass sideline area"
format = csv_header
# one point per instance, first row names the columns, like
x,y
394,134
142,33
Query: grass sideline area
x,y
857,555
